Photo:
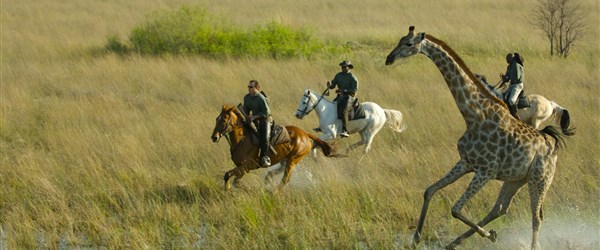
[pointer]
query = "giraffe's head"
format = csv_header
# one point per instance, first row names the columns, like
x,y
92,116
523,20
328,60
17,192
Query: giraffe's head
x,y
409,45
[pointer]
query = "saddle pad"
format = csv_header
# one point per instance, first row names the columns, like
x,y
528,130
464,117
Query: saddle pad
x,y
279,135
523,102
357,111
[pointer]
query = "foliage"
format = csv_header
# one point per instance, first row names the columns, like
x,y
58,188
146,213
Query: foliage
x,y
191,30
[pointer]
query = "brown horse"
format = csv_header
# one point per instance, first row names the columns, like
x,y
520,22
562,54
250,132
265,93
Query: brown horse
x,y
231,124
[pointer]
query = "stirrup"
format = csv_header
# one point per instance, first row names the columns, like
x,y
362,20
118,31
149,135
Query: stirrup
x,y
265,161
344,134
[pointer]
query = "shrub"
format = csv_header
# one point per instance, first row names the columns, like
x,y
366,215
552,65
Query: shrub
x,y
192,31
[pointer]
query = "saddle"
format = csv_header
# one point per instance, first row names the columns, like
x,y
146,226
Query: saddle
x,y
522,101
279,135
357,111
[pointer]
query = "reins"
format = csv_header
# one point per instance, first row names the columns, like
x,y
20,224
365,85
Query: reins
x,y
226,131
304,112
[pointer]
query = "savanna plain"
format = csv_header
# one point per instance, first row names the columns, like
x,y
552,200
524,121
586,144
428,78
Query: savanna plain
x,y
101,150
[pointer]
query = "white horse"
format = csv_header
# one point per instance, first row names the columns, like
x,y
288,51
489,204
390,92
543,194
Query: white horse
x,y
540,110
330,125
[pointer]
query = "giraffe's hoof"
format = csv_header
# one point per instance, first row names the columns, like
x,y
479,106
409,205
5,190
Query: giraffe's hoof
x,y
415,241
453,245
493,235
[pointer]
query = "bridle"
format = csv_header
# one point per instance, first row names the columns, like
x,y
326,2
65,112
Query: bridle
x,y
306,111
227,129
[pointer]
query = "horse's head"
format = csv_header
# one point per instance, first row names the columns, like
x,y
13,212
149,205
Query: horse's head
x,y
305,105
226,122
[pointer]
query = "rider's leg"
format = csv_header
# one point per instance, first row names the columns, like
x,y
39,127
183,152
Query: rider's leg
x,y
513,98
343,114
264,131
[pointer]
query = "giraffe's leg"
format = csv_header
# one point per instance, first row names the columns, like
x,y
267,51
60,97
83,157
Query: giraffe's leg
x,y
537,194
508,190
476,184
457,171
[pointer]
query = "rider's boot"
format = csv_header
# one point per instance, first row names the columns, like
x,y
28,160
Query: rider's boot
x,y
265,161
513,111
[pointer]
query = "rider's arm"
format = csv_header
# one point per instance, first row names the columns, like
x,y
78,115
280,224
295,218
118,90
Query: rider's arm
x,y
264,110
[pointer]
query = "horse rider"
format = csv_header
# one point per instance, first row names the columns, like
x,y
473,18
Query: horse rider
x,y
347,84
256,106
515,75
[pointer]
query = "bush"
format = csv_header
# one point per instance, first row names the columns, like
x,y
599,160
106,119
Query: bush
x,y
192,31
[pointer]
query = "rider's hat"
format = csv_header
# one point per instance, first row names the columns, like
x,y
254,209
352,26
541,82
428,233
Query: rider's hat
x,y
347,63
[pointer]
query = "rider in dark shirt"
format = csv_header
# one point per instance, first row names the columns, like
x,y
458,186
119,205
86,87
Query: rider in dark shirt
x,y
256,106
347,84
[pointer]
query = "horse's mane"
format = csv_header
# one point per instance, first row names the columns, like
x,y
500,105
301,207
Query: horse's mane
x,y
236,110
466,69
318,95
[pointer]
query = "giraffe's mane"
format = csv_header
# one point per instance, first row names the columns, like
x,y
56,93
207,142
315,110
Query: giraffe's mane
x,y
465,68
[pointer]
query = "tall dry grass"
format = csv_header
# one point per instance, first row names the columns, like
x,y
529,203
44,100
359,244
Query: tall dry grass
x,y
106,151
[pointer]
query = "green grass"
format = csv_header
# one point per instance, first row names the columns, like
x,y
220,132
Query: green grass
x,y
104,150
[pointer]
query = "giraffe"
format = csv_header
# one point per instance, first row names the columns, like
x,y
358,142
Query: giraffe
x,y
494,146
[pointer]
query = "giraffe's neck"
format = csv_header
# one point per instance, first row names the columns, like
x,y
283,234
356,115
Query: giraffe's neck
x,y
474,102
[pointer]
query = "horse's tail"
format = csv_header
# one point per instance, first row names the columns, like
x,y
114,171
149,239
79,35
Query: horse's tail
x,y
394,119
328,150
563,117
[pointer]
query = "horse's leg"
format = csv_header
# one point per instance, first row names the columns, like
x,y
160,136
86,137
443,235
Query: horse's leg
x,y
237,172
273,172
369,140
536,123
366,138
356,145
288,171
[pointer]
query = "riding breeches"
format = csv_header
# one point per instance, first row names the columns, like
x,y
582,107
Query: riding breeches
x,y
343,108
513,91
343,103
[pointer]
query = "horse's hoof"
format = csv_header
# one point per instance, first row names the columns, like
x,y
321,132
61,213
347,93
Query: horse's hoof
x,y
493,235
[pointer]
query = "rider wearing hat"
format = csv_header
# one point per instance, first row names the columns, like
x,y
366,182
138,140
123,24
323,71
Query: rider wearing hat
x,y
347,84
